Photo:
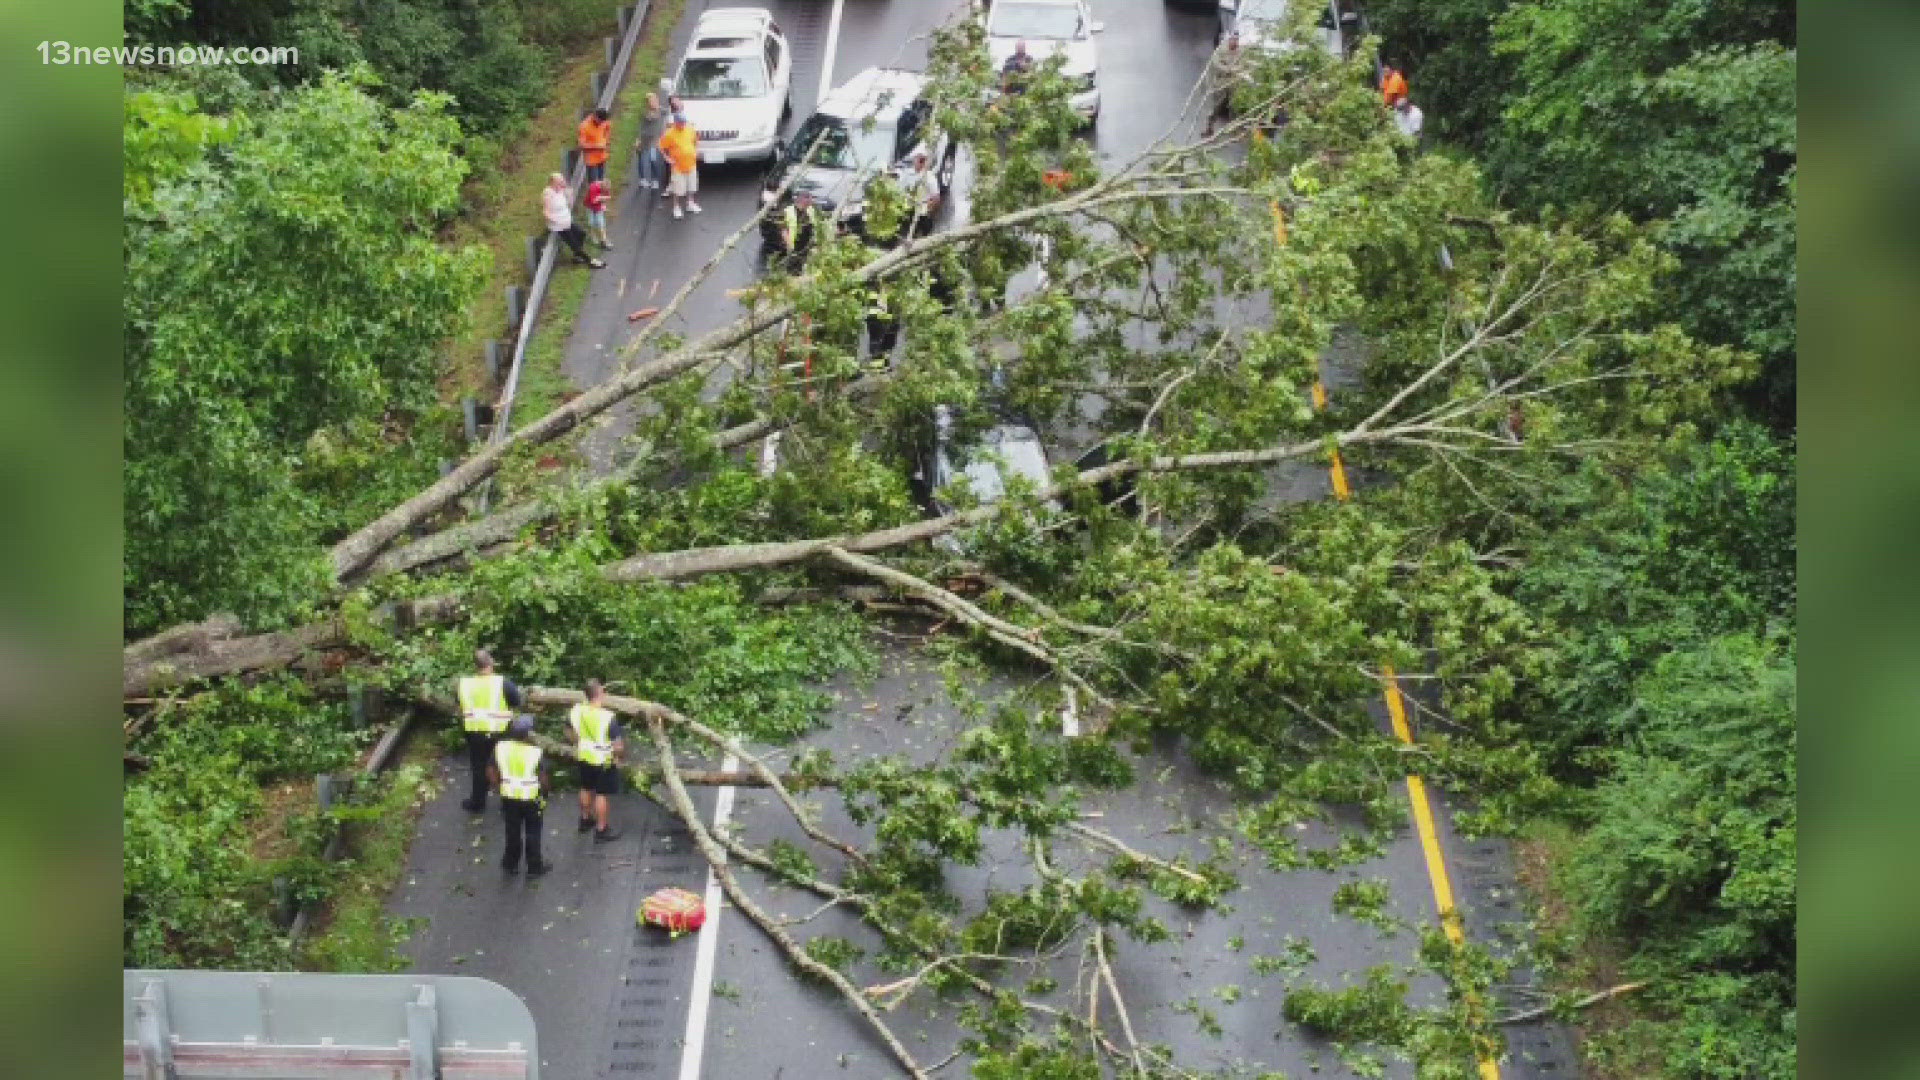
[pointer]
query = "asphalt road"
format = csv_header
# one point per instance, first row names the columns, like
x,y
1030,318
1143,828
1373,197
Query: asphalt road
x,y
611,1000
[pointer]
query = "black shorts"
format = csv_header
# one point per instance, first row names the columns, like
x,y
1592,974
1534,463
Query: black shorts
x,y
600,779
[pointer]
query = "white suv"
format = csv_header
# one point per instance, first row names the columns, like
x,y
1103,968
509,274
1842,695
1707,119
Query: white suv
x,y
1050,28
733,84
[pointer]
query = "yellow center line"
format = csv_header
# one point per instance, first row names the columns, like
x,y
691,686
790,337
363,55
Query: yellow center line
x,y
1417,797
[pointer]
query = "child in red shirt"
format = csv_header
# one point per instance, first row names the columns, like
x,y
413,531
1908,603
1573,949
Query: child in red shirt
x,y
597,196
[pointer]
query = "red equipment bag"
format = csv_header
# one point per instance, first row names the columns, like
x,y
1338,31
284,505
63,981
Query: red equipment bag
x,y
676,911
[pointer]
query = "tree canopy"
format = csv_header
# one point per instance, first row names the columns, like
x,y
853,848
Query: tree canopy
x,y
1540,494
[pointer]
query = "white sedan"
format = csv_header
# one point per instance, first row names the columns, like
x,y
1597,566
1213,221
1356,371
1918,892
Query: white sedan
x,y
1050,28
733,84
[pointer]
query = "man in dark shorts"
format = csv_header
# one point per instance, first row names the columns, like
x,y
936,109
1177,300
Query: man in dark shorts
x,y
599,747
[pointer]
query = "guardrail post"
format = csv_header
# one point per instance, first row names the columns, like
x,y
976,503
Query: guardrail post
x,y
470,422
533,254
495,370
423,1036
622,14
569,157
516,307
612,46
155,1034
596,82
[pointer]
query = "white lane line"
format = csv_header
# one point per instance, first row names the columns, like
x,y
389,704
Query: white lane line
x,y
694,1043
833,42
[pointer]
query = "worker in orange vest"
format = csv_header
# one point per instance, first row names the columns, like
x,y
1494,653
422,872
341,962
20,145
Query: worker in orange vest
x,y
594,133
1393,85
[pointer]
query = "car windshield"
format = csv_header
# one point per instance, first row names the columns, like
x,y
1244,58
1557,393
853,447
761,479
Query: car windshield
x,y
709,77
1016,20
1264,10
843,145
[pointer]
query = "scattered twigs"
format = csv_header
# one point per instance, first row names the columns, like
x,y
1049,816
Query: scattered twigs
x,y
1120,847
1583,1003
1119,1004
1015,637
717,859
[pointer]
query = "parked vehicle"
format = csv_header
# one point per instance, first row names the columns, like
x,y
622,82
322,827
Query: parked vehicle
x,y
734,82
867,129
1051,28
1263,23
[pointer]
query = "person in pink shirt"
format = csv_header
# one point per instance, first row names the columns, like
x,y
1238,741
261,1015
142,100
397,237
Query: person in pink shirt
x,y
597,196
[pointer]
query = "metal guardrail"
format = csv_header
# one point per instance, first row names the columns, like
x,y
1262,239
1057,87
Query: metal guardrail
x,y
634,16
185,1025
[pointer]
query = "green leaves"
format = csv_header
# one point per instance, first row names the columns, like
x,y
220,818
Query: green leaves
x,y
292,287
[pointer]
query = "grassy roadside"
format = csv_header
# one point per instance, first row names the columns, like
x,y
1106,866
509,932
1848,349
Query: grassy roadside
x,y
502,210
352,932
1612,1046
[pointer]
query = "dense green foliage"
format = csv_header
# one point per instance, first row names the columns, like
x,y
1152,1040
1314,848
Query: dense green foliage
x,y
1664,589
1579,614
284,297
195,894
492,58
1681,113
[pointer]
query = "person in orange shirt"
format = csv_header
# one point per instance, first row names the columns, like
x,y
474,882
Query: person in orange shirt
x,y
1393,85
594,133
681,143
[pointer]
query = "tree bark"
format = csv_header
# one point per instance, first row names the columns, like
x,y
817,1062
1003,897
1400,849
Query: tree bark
x,y
216,657
717,859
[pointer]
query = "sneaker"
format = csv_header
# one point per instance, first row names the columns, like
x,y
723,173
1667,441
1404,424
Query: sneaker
x,y
693,206
665,192
596,264
586,823
601,836
677,215
536,871
604,246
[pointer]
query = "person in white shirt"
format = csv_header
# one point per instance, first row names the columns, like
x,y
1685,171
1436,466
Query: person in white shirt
x,y
1408,118
556,205
923,187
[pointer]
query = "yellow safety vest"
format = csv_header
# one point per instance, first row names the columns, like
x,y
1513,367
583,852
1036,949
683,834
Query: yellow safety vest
x,y
519,765
483,703
592,726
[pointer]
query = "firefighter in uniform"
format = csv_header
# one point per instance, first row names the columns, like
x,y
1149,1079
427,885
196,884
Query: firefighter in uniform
x,y
521,775
599,747
487,702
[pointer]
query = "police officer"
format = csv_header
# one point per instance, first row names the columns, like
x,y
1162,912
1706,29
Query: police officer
x,y
486,704
800,226
523,779
599,747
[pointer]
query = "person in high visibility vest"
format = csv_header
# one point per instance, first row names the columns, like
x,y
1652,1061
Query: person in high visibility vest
x,y
801,223
520,772
599,746
487,701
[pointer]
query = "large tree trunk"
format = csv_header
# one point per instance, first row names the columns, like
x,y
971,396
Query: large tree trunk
x,y
227,657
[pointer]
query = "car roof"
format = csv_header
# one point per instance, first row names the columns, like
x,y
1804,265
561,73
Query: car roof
x,y
729,31
882,93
